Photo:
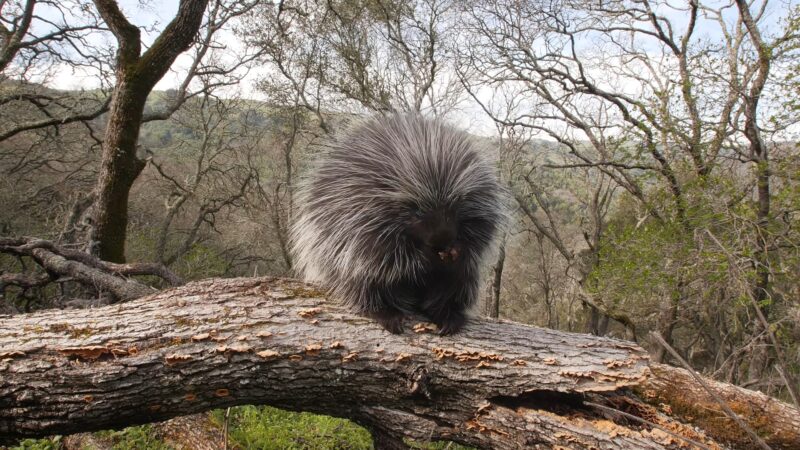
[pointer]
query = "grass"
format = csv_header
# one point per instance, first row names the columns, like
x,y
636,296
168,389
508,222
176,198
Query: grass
x,y
267,428
255,427
53,443
264,427
133,438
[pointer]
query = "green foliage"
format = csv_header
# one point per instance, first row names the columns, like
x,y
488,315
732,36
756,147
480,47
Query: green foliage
x,y
271,428
202,262
638,262
53,443
133,438
265,427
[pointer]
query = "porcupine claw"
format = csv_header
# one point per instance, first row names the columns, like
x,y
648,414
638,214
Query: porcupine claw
x,y
452,324
392,321
393,325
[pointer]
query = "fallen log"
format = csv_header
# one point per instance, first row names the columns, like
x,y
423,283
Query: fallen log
x,y
225,342
776,422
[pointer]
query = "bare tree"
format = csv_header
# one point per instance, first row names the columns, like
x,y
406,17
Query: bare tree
x,y
632,91
136,74
212,176
339,57
362,55
46,45
294,135
38,41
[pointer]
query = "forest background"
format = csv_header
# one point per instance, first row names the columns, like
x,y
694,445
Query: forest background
x,y
650,147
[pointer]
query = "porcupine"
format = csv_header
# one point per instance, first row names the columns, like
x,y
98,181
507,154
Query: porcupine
x,y
398,218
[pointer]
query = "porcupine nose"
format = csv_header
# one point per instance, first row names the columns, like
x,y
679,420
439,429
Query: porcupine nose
x,y
437,232
444,244
449,254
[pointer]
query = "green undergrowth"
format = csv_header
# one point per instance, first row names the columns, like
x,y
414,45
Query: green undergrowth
x,y
264,427
131,438
253,427
53,443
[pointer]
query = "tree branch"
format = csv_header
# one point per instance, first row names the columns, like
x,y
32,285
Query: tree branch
x,y
11,39
81,116
85,268
127,34
176,38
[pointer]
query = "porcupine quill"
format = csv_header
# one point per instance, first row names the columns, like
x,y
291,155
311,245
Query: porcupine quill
x,y
398,218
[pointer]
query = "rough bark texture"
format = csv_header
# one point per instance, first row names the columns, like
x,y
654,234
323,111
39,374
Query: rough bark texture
x,y
218,343
136,75
776,422
119,168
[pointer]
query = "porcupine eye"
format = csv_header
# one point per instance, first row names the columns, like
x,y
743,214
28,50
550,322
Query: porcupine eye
x,y
417,227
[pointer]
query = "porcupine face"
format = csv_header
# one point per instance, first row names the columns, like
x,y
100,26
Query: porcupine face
x,y
435,234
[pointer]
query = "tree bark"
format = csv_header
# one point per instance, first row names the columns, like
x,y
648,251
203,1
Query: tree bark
x,y
776,422
224,342
136,75
668,318
119,168
497,282
759,154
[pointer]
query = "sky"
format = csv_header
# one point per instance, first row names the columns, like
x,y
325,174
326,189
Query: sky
x,y
151,16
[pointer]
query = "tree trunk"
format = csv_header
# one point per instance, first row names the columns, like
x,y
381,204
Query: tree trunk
x,y
224,342
119,169
667,320
497,282
759,153
136,75
688,401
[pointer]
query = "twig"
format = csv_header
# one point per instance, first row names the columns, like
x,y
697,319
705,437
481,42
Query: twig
x,y
660,339
225,429
646,422
781,363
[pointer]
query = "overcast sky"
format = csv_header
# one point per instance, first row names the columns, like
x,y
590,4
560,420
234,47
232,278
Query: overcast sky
x,y
154,15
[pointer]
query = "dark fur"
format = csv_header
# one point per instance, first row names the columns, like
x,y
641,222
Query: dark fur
x,y
398,219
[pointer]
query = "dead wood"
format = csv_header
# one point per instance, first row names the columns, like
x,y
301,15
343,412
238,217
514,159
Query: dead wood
x,y
81,267
224,342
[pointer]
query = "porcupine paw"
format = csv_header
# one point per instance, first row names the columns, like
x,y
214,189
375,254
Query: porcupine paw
x,y
450,324
392,321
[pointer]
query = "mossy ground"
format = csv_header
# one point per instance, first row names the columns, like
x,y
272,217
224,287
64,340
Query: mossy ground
x,y
53,443
254,427
263,427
